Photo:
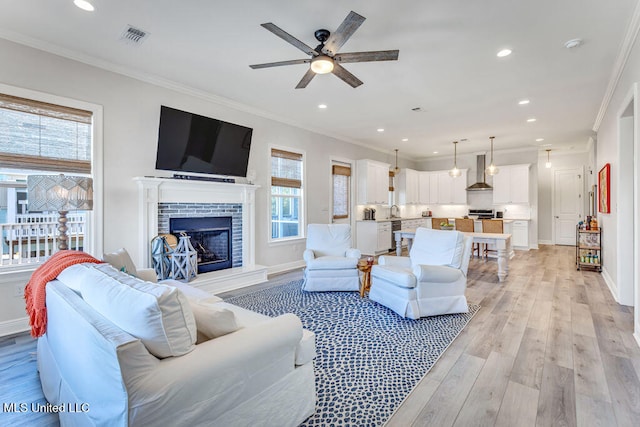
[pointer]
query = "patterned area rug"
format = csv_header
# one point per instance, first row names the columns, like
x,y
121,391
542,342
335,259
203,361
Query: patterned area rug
x,y
369,358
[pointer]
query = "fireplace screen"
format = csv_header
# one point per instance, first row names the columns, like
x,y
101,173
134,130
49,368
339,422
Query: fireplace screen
x,y
211,237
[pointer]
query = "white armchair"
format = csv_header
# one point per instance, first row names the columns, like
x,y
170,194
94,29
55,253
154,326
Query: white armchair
x,y
332,264
430,281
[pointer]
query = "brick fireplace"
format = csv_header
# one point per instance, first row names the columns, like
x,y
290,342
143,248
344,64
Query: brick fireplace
x,y
162,200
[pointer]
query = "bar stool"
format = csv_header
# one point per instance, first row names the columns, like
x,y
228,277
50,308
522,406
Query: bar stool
x,y
491,226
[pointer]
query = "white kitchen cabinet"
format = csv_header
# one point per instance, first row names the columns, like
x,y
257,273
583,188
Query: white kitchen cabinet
x,y
373,238
373,182
452,190
408,187
384,237
511,185
520,234
428,188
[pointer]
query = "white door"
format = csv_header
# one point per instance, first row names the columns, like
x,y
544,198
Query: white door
x,y
567,204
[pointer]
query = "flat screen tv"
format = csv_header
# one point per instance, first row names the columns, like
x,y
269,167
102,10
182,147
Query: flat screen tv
x,y
188,142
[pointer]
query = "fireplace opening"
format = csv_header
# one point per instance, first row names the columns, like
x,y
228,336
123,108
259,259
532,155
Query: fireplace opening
x,y
211,237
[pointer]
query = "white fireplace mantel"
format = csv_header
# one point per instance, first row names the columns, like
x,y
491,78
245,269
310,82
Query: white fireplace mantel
x,y
154,190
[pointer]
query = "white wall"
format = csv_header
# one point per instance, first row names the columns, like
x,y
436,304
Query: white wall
x,y
609,150
131,117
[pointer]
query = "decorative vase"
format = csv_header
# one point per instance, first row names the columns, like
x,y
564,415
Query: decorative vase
x,y
161,257
184,260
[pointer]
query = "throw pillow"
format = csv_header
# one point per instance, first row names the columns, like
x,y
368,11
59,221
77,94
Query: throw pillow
x,y
160,316
121,260
212,321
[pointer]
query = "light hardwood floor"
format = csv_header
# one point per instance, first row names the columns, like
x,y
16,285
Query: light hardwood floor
x,y
549,347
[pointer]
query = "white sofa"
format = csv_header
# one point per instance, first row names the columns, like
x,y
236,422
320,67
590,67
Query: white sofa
x,y
260,374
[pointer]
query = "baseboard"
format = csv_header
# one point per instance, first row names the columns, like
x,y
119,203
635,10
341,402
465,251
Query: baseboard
x,y
613,288
15,326
283,268
544,242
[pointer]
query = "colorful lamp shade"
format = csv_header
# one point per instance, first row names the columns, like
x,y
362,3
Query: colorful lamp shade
x,y
60,193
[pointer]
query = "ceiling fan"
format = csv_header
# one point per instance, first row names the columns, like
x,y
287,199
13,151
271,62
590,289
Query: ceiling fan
x,y
325,57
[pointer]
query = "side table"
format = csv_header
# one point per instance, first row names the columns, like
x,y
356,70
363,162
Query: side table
x,y
365,283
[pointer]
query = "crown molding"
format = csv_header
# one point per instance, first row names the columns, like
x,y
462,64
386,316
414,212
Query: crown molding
x,y
169,84
619,65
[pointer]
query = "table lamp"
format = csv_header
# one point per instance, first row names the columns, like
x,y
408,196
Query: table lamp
x,y
60,193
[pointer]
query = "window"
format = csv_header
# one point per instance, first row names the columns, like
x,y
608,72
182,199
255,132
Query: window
x,y
39,138
341,174
286,194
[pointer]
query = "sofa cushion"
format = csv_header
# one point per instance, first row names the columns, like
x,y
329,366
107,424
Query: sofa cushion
x,y
212,320
437,273
397,275
157,314
192,293
332,263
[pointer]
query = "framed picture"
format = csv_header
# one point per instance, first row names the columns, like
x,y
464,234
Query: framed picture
x,y
604,181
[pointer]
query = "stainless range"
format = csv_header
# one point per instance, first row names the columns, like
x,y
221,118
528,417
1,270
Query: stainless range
x,y
482,213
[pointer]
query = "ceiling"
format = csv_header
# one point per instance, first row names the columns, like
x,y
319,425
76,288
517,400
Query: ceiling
x,y
447,65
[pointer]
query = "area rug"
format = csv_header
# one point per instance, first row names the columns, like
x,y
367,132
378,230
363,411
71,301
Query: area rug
x,y
368,358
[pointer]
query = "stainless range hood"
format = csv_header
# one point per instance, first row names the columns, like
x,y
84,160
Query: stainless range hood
x,y
481,184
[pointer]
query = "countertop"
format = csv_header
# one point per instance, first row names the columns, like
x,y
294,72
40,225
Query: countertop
x,y
507,220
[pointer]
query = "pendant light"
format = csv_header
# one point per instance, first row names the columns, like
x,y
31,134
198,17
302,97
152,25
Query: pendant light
x,y
455,172
396,170
548,164
492,169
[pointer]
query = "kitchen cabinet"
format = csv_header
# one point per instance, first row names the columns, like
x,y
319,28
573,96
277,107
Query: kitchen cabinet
x,y
408,185
428,188
520,234
373,182
511,185
373,238
452,190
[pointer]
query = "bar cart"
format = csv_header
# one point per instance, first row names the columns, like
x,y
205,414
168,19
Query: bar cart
x,y
589,249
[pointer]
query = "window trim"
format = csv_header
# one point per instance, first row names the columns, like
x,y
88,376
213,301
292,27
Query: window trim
x,y
95,221
292,183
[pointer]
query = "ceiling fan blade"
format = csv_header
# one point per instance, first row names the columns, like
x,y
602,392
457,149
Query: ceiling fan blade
x,y
378,55
278,64
340,36
346,76
308,76
289,38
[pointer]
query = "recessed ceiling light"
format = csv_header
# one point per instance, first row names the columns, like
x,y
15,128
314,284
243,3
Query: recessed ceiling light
x,y
524,102
84,5
504,52
435,152
573,43
322,106
531,120
405,139
380,130
539,139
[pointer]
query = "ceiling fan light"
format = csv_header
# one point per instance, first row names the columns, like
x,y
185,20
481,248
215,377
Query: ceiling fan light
x,y
322,64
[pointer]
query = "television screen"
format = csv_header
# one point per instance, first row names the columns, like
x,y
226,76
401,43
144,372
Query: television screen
x,y
191,143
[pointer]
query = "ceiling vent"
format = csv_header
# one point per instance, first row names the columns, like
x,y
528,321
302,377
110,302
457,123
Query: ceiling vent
x,y
133,36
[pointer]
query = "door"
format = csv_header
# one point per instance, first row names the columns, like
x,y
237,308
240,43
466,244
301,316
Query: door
x,y
567,204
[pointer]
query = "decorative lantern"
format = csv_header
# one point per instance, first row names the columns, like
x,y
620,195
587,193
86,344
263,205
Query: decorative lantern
x,y
161,257
184,260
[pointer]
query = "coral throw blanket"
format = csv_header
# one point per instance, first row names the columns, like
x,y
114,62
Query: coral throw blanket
x,y
34,292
